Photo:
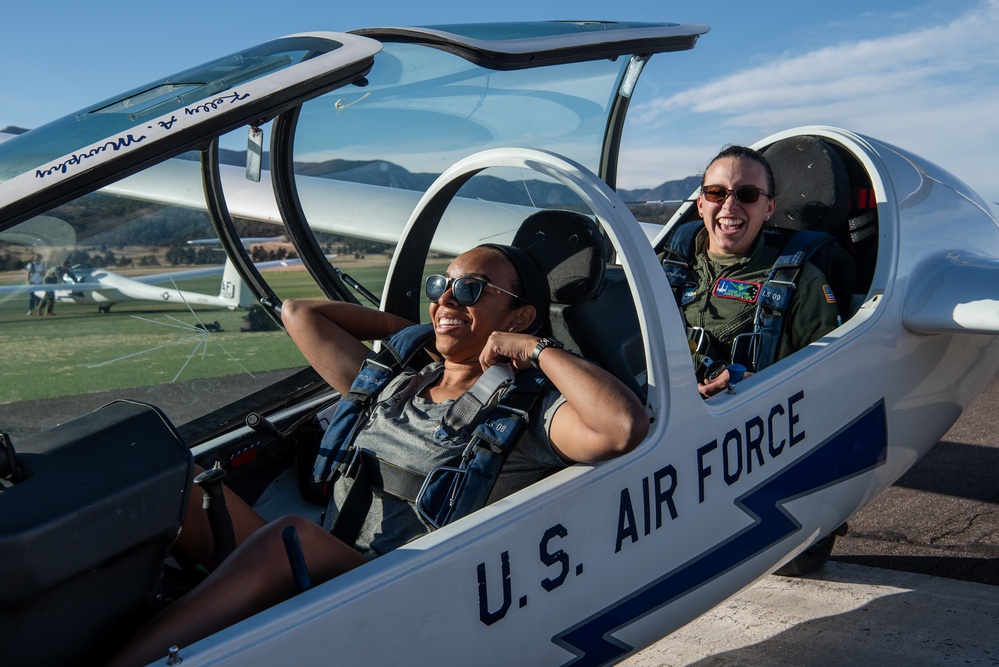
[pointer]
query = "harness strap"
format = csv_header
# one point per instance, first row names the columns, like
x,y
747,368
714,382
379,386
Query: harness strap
x,y
863,226
377,370
392,479
346,523
778,292
492,421
451,493
469,409
369,474
678,255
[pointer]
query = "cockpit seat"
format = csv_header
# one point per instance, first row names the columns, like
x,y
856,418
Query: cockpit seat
x,y
570,249
85,532
813,193
592,311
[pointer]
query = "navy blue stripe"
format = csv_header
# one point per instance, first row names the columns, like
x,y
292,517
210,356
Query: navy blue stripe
x,y
856,448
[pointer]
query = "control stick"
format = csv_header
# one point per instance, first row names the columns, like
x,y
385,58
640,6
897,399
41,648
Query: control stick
x,y
219,520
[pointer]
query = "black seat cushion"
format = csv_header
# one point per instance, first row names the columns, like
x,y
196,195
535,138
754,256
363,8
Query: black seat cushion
x,y
813,187
571,251
592,311
813,192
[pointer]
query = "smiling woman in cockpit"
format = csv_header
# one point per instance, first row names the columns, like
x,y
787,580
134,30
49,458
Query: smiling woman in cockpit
x,y
731,261
485,311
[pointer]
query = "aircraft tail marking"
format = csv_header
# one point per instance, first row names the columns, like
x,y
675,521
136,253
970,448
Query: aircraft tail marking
x,y
232,289
857,447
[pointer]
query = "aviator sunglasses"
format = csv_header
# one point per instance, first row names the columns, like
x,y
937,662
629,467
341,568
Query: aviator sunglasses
x,y
746,194
466,289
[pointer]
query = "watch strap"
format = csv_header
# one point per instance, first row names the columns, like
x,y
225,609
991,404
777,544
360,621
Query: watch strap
x,y
542,345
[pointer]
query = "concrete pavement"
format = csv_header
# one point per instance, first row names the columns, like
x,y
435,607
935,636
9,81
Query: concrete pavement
x,y
847,615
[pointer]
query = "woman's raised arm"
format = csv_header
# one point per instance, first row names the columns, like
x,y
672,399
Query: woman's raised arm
x,y
601,417
331,333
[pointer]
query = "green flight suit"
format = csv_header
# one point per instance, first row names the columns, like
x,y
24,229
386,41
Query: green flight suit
x,y
813,312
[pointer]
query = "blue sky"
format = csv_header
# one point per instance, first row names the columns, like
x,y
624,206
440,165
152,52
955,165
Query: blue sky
x,y
920,75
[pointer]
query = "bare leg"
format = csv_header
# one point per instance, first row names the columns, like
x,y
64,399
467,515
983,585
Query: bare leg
x,y
256,576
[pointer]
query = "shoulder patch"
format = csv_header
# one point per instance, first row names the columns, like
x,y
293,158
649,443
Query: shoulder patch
x,y
741,290
830,296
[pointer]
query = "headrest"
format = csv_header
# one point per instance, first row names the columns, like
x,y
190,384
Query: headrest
x,y
813,187
571,251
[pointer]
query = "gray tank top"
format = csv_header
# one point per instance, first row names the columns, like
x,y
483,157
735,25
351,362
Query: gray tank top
x,y
401,429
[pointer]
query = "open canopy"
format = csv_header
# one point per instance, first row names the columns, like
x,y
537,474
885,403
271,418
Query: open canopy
x,y
464,98
346,132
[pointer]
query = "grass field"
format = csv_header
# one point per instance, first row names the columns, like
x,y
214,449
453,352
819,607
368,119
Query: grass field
x,y
140,344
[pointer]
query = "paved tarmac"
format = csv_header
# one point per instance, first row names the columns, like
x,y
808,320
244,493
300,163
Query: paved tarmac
x,y
942,517
846,615
915,581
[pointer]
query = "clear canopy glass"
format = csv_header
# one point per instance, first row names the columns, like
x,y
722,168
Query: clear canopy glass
x,y
146,304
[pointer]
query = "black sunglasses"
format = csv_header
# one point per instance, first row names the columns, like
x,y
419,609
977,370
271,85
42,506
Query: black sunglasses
x,y
466,289
746,194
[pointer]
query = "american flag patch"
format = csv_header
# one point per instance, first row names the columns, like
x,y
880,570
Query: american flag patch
x,y
830,296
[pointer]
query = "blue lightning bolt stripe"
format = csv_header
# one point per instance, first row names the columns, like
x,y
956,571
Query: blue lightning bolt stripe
x,y
856,448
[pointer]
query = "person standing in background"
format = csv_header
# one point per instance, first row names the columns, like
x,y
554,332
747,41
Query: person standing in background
x,y
35,276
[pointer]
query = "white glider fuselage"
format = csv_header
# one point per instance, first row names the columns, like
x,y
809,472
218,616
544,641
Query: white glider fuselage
x,y
596,561
106,288
115,288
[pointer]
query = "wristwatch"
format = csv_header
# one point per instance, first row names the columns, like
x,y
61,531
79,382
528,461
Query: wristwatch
x,y
542,344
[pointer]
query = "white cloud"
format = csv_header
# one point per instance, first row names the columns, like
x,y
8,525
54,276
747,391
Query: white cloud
x,y
648,166
933,91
